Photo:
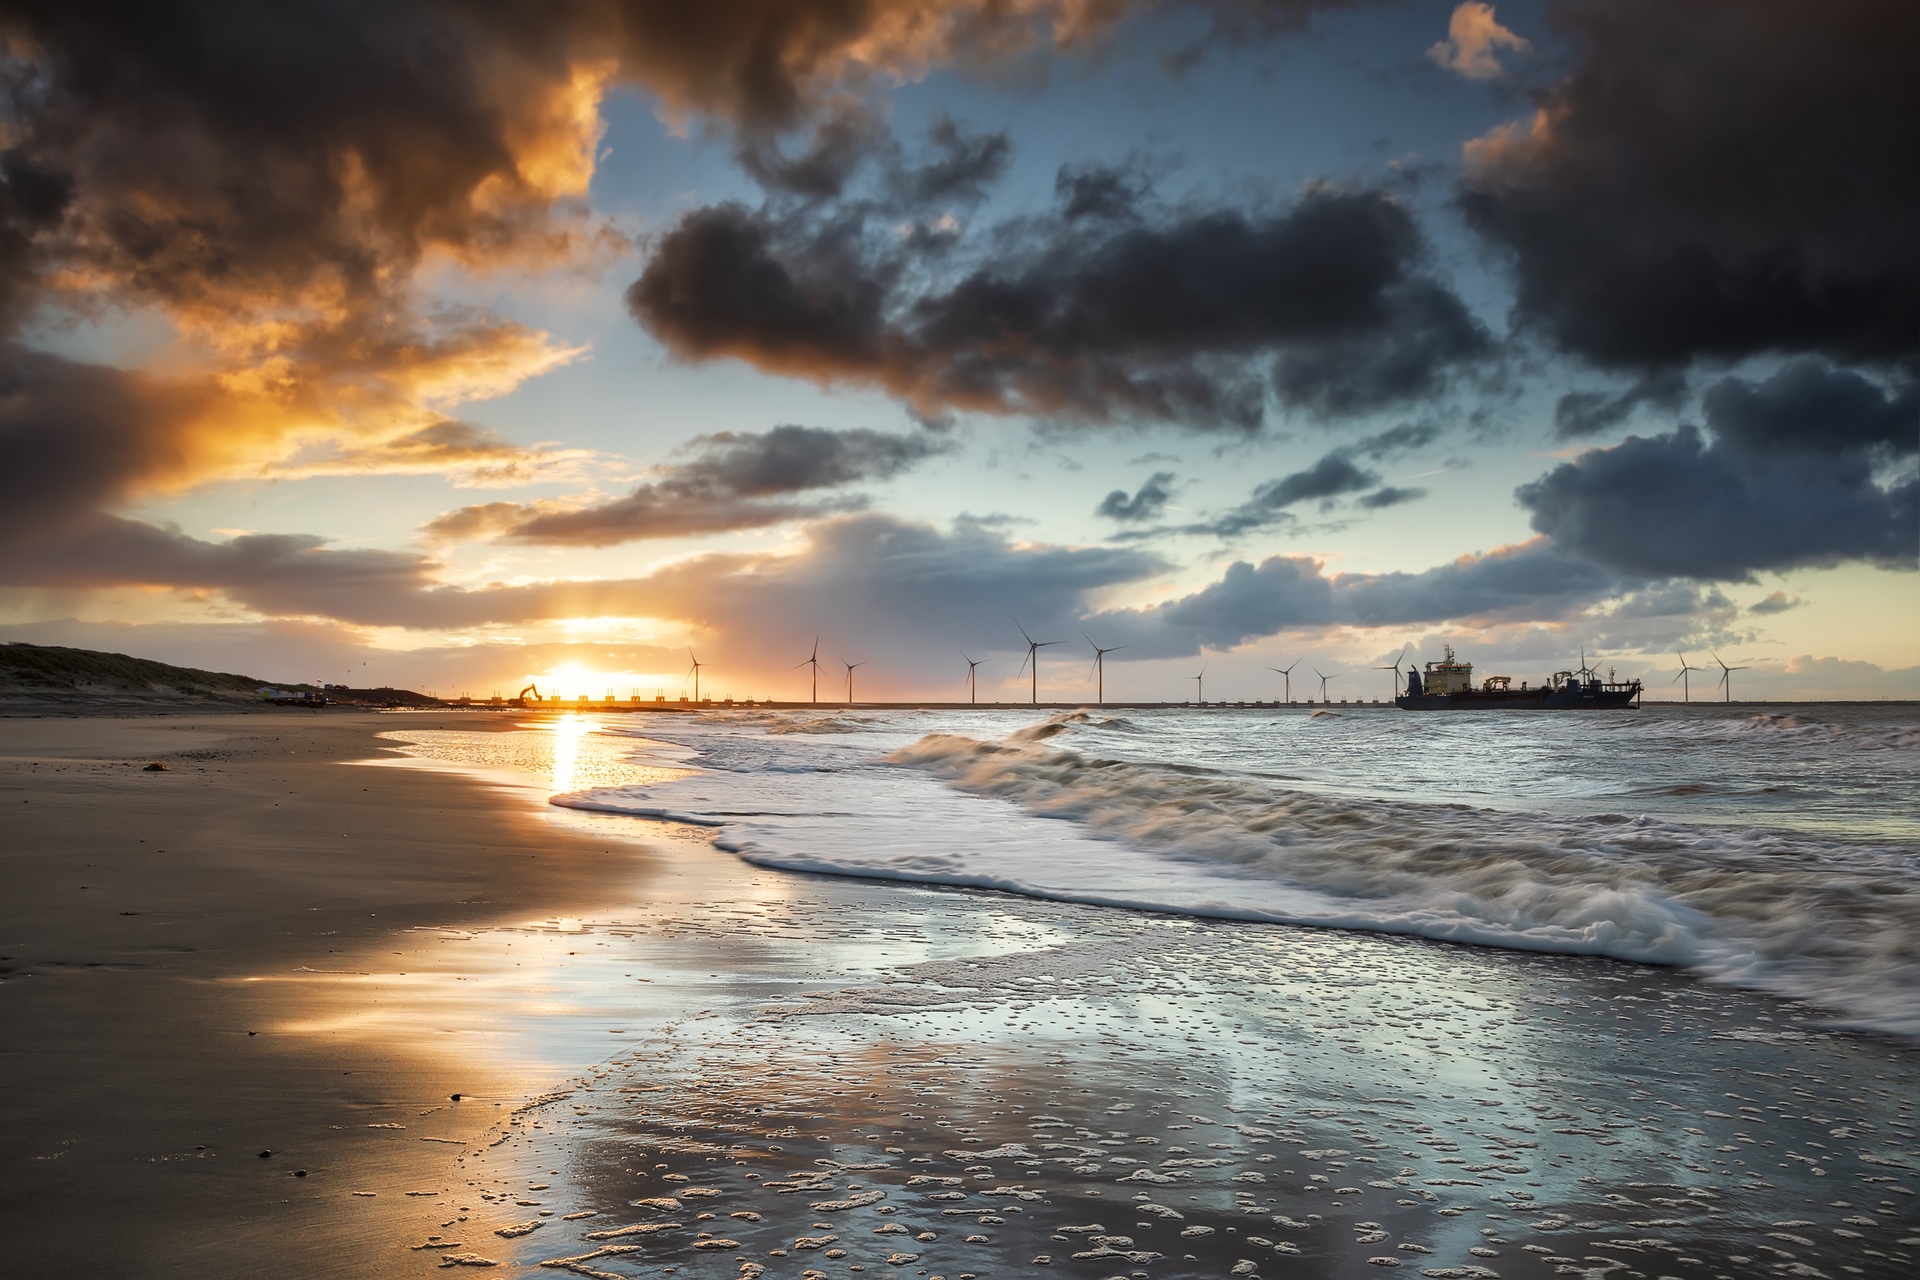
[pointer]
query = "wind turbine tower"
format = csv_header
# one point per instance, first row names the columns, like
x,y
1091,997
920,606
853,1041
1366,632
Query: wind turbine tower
x,y
1323,683
1726,675
1200,687
1286,674
973,681
693,671
1099,672
1033,660
814,662
1394,667
1686,685
850,666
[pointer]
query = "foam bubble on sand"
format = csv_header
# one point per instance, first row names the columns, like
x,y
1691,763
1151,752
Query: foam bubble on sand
x,y
637,1229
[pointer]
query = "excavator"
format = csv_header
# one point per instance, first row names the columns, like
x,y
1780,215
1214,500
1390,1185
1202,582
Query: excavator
x,y
520,699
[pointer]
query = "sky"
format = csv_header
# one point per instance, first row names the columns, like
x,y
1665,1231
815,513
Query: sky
x,y
462,346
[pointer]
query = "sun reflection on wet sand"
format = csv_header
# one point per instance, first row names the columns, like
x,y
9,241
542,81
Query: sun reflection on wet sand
x,y
567,732
565,753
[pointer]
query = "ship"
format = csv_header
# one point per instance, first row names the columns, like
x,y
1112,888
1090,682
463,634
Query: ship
x,y
1448,685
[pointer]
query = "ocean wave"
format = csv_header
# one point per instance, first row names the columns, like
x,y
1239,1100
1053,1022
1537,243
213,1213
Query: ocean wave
x,y
821,724
1834,923
1203,815
1796,727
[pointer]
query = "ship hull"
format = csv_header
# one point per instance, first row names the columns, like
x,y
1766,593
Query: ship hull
x,y
1520,700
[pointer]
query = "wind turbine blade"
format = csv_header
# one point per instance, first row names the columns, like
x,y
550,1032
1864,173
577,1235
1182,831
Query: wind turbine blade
x,y
1023,631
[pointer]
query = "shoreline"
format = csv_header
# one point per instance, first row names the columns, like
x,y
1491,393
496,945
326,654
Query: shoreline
x,y
651,1014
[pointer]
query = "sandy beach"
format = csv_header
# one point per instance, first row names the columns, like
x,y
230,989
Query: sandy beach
x,y
672,1062
163,931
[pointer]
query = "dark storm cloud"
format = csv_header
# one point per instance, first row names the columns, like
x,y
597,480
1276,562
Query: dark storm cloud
x,y
1330,477
953,169
1248,601
206,155
1810,405
1335,475
279,574
1716,179
1145,504
271,176
1426,333
1533,581
1165,317
1405,438
1588,413
77,436
735,480
1099,191
1813,466
1391,496
840,145
958,169
201,155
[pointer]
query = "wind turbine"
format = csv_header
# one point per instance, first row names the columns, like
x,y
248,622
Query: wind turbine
x,y
1395,668
850,666
814,662
973,685
1686,685
1099,672
1286,673
1033,659
1323,683
693,671
1726,675
1586,671
1200,687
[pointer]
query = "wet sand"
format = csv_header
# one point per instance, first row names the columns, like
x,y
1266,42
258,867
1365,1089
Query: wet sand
x,y
814,1076
160,934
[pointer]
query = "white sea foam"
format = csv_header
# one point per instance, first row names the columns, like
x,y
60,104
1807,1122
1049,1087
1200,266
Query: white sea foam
x,y
1088,808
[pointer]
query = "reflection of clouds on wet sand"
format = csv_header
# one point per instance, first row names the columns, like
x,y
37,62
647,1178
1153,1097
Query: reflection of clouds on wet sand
x,y
1121,1094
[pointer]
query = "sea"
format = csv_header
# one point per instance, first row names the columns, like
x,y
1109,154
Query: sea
x,y
1771,848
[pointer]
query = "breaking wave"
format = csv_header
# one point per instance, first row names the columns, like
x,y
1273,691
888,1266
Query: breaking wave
x,y
1835,922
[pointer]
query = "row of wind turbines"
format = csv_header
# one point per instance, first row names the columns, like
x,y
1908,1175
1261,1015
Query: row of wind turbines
x,y
1030,667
